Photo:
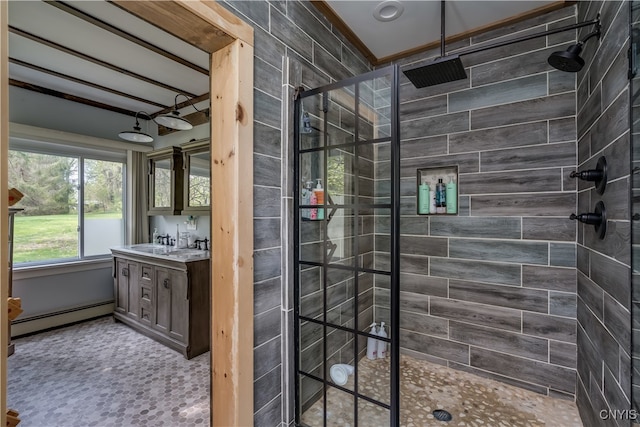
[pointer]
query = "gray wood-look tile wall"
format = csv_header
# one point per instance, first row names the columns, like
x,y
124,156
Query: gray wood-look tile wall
x,y
492,290
285,33
603,266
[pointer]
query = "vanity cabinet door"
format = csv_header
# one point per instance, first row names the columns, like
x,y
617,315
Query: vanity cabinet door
x,y
172,309
126,288
121,288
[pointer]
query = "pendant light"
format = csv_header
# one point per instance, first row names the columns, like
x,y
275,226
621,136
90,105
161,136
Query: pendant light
x,y
136,135
173,120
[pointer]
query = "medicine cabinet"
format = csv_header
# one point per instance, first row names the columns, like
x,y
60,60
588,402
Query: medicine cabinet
x,y
166,177
197,177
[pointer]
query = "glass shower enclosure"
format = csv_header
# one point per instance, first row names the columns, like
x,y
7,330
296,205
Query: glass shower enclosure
x,y
346,252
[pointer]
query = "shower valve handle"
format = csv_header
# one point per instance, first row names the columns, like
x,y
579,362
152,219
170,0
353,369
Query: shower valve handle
x,y
587,218
588,175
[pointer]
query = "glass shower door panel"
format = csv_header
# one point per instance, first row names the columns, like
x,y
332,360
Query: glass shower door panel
x,y
311,401
374,108
341,185
310,291
341,121
340,244
311,134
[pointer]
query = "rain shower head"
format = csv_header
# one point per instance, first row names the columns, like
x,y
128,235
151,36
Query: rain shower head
x,y
441,70
567,60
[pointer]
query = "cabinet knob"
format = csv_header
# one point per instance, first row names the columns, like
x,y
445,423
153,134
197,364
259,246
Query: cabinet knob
x,y
145,274
145,316
145,296
165,283
125,272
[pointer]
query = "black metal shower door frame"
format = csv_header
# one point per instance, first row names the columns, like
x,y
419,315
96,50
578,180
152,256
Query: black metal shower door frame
x,y
393,273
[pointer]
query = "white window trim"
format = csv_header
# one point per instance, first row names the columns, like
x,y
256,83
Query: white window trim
x,y
29,272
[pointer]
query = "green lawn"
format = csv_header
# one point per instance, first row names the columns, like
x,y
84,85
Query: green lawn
x,y
38,238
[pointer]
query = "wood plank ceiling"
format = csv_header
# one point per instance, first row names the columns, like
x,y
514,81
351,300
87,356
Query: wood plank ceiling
x,y
97,54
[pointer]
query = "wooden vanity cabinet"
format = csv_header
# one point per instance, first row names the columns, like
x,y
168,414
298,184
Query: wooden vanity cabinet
x,y
166,300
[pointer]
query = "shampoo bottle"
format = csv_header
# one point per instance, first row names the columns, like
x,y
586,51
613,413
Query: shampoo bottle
x,y
440,197
372,343
423,198
432,198
382,345
319,192
452,196
313,212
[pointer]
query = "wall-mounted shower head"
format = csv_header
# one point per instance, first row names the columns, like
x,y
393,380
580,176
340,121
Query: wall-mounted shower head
x,y
569,60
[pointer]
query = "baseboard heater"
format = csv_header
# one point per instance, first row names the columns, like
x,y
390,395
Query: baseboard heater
x,y
40,323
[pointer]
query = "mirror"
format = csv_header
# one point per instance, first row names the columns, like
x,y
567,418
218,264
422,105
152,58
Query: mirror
x,y
165,181
162,184
197,179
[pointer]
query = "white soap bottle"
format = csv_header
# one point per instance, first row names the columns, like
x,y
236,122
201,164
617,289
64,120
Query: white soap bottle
x,y
372,343
382,345
154,239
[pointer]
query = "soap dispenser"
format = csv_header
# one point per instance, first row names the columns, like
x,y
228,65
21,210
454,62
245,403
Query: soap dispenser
x,y
372,343
382,345
154,239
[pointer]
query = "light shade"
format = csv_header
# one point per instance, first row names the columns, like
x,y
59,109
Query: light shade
x,y
135,135
173,121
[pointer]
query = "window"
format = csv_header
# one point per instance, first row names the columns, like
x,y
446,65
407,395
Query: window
x,y
73,205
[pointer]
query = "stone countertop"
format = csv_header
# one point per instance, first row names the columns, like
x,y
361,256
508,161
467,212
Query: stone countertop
x,y
167,253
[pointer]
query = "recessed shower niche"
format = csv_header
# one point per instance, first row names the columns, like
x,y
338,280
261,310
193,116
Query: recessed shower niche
x,y
437,190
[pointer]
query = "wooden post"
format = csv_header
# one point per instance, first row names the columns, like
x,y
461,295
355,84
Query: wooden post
x,y
232,234
4,205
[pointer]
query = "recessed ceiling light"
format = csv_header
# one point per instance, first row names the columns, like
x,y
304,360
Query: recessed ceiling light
x,y
388,10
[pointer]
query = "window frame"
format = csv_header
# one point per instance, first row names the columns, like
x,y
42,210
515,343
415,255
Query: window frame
x,y
81,153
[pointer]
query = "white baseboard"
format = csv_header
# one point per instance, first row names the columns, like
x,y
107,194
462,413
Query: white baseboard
x,y
29,326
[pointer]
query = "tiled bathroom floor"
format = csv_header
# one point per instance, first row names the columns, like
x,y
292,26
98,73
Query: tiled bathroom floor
x,y
471,400
101,373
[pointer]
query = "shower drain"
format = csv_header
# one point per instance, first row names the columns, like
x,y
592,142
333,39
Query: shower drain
x,y
442,415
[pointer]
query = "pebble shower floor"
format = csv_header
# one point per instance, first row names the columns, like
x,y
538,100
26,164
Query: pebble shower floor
x,y
101,373
425,387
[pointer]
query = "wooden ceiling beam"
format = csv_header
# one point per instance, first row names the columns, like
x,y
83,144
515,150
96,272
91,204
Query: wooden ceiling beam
x,y
85,82
69,97
183,104
93,60
176,19
125,35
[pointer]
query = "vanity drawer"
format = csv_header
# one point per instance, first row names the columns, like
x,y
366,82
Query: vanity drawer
x,y
146,295
146,274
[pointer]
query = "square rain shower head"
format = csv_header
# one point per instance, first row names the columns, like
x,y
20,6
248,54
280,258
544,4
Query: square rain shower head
x,y
443,70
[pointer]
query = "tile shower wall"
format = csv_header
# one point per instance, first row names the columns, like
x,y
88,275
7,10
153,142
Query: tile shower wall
x,y
492,290
604,300
294,31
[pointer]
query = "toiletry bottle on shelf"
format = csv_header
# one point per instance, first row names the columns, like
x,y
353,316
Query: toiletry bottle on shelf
x,y
319,192
154,239
423,197
432,198
382,345
441,195
452,196
313,212
306,197
372,343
